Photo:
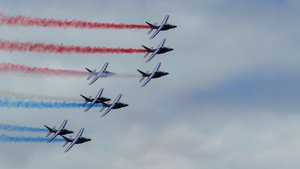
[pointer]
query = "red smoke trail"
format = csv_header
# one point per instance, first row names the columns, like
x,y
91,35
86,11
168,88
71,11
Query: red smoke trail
x,y
42,47
9,67
29,21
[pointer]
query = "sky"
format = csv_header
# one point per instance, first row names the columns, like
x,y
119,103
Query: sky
x,y
230,100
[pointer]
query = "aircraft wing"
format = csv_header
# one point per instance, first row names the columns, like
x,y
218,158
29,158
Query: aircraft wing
x,y
161,26
91,73
95,78
75,139
99,74
95,100
165,20
104,67
162,43
112,105
152,74
58,131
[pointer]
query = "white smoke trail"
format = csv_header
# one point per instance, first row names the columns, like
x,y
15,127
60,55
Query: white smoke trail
x,y
35,97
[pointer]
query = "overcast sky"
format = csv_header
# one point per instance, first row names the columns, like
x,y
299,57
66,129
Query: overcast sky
x,y
231,99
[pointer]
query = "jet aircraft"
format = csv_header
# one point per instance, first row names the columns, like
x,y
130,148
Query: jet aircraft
x,y
159,50
102,73
163,27
97,99
114,105
60,131
77,140
155,74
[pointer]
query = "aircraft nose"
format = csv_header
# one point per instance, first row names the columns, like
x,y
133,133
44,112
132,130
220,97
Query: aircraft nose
x,y
89,139
171,49
167,73
125,105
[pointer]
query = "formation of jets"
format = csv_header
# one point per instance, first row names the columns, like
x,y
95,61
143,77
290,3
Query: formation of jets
x,y
102,100
94,75
61,131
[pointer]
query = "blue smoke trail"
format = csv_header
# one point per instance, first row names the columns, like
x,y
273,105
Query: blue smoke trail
x,y
7,127
16,139
31,104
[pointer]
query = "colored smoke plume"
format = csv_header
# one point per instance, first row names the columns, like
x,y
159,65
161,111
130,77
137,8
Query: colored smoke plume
x,y
78,24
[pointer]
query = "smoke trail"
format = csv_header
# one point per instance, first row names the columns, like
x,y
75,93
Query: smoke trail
x,y
16,139
125,75
23,69
33,97
6,103
53,48
7,127
10,67
30,21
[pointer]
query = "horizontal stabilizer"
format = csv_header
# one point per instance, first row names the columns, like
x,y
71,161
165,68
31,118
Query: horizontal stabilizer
x,y
91,73
143,75
49,130
67,140
152,27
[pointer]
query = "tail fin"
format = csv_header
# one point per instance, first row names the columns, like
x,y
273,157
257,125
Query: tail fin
x,y
50,130
152,27
147,49
91,73
67,140
143,75
85,100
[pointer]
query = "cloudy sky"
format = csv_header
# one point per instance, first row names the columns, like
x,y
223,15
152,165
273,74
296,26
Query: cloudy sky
x,y
230,100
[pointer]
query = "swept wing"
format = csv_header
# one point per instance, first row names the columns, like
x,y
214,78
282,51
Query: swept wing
x,y
162,43
152,74
112,105
75,139
164,22
95,100
99,74
58,131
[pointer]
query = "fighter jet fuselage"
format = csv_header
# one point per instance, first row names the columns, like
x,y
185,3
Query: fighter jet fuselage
x,y
118,105
166,27
80,140
100,99
63,131
156,74
163,50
